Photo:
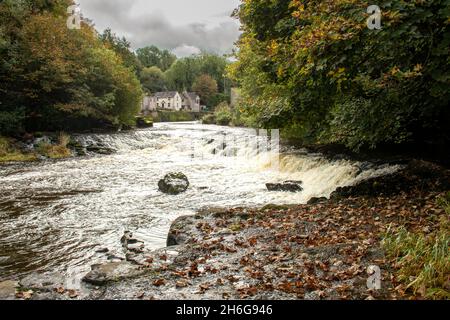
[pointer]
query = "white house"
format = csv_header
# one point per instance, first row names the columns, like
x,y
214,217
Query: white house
x,y
171,100
190,102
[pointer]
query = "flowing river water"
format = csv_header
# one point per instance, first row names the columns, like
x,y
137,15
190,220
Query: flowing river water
x,y
56,215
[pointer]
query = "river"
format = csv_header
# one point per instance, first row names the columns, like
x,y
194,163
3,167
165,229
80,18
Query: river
x,y
56,215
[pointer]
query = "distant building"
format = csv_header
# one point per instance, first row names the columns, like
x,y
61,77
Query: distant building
x,y
190,101
171,100
148,104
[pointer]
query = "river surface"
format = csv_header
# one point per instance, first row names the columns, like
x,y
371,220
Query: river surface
x,y
55,215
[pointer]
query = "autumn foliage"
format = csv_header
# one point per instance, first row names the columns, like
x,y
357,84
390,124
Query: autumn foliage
x,y
55,78
316,69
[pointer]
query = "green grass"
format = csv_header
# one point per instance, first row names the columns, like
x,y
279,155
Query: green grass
x,y
423,260
8,153
58,151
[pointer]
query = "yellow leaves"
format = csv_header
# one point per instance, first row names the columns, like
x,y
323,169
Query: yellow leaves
x,y
418,67
27,295
395,70
272,48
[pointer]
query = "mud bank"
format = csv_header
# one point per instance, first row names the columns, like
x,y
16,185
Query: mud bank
x,y
312,251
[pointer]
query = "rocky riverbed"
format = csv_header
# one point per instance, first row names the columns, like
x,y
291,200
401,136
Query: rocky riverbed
x,y
314,251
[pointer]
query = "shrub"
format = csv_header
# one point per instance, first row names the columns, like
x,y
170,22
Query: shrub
x,y
423,260
58,151
9,153
223,114
209,119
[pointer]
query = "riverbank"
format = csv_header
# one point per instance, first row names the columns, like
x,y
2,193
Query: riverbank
x,y
319,250
312,251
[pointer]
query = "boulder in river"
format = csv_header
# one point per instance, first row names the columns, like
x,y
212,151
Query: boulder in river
x,y
101,274
289,186
100,149
173,183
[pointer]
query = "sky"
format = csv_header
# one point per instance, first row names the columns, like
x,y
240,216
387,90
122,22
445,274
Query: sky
x,y
184,27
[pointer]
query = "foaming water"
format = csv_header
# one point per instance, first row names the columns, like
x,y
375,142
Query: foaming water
x,y
55,215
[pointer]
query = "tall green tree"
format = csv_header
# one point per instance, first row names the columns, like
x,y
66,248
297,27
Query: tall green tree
x,y
152,56
206,87
153,80
123,48
316,68
54,78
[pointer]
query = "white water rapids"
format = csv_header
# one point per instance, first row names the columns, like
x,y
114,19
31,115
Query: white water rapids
x,y
55,215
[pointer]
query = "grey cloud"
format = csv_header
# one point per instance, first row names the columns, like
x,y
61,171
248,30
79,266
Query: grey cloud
x,y
153,27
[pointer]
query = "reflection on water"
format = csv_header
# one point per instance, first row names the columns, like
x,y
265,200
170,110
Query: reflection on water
x,y
55,215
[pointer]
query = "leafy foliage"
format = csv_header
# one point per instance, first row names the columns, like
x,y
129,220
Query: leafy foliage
x,y
206,87
54,78
153,80
315,66
184,72
154,57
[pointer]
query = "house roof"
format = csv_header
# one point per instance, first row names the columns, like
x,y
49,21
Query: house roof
x,y
191,95
165,94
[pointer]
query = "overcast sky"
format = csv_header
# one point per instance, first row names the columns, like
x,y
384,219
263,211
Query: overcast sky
x,y
183,26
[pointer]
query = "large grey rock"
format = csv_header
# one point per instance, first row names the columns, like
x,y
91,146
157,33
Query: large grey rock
x,y
180,230
101,274
290,186
173,183
43,281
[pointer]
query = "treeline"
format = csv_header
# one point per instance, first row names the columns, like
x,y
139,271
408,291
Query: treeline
x,y
56,78
160,70
315,69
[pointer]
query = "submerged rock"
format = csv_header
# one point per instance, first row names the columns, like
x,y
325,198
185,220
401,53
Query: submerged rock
x,y
289,186
101,274
173,183
144,122
100,149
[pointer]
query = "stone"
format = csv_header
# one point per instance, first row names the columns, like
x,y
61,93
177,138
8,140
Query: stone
x,y
100,149
173,183
101,274
43,281
144,122
8,289
288,186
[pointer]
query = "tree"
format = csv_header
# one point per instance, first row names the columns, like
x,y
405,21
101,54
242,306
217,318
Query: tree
x,y
182,74
123,48
54,78
152,80
154,57
316,69
206,87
